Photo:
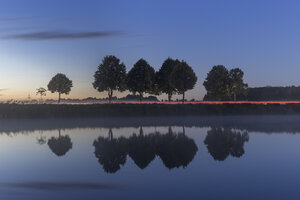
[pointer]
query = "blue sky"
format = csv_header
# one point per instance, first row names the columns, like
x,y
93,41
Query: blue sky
x,y
260,37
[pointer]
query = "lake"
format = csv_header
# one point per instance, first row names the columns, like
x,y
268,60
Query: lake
x,y
246,157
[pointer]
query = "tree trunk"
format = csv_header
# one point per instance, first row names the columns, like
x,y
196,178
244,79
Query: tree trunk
x,y
170,130
110,94
141,97
59,97
110,134
141,131
234,96
58,132
183,97
183,130
169,97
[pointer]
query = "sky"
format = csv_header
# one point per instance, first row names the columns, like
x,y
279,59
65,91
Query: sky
x,y
41,38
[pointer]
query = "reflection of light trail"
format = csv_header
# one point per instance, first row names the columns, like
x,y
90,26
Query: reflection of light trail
x,y
187,102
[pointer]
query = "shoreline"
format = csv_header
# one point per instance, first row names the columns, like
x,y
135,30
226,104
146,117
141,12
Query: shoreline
x,y
253,123
11,111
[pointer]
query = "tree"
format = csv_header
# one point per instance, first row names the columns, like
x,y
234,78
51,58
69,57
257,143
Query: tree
x,y
268,93
42,139
222,84
141,149
60,83
176,150
164,77
183,78
60,145
111,152
110,76
222,142
237,85
141,78
42,92
217,82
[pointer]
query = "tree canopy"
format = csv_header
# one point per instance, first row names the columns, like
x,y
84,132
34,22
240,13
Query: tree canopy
x,y
60,145
110,76
222,142
222,84
164,77
42,92
216,82
237,85
183,78
175,150
141,78
141,148
111,153
60,83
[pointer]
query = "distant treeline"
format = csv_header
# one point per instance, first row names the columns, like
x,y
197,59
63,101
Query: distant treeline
x,y
291,93
274,93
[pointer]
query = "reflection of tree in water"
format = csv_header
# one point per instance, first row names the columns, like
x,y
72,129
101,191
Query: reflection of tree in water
x,y
42,139
111,153
141,149
60,145
176,150
221,142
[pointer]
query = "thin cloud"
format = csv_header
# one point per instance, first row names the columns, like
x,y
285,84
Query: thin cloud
x,y
62,35
60,185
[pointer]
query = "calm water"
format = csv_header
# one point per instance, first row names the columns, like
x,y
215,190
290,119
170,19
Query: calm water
x,y
228,158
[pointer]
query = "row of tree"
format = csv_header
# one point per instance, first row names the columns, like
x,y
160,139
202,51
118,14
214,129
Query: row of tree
x,y
173,77
175,149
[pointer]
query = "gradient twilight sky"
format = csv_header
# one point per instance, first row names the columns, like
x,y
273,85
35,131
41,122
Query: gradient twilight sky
x,y
41,38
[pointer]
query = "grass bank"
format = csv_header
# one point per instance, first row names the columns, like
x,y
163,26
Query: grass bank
x,y
136,110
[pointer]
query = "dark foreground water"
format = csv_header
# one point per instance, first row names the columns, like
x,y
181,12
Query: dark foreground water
x,y
228,158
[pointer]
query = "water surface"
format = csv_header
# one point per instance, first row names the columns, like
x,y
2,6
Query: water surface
x,y
216,158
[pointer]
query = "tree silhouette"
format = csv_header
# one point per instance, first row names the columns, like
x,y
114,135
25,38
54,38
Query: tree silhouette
x,y
222,84
217,82
183,78
41,140
60,83
111,153
42,92
164,77
268,93
60,145
141,149
237,85
176,150
141,78
110,76
222,142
